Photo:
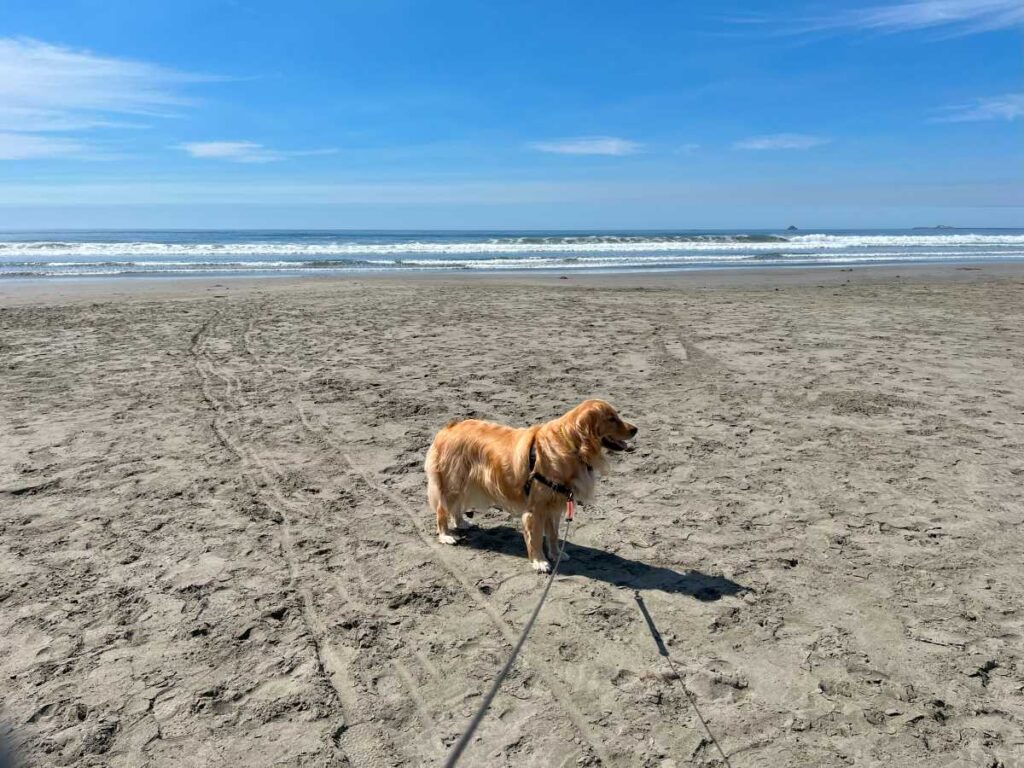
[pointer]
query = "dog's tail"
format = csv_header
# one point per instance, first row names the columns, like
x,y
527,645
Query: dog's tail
x,y
432,464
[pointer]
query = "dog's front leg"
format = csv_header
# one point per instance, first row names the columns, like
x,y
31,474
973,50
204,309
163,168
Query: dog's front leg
x,y
551,533
533,532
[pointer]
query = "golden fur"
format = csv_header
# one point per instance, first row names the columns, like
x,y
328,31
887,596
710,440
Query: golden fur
x,y
478,464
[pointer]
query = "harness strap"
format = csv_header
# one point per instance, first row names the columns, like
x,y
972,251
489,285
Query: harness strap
x,y
565,490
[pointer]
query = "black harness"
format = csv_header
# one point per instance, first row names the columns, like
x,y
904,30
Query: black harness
x,y
565,490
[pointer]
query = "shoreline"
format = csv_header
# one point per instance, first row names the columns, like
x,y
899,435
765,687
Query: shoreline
x,y
20,291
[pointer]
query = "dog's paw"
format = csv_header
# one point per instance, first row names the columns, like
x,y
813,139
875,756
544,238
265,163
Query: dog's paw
x,y
541,566
447,538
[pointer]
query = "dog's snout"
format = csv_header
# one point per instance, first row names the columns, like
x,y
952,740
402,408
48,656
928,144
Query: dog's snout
x,y
632,431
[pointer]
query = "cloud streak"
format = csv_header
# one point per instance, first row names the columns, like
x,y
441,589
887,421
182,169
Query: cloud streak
x,y
46,89
781,141
958,16
1009,106
20,146
588,145
244,151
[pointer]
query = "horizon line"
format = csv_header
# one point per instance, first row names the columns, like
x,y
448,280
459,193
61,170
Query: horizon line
x,y
613,230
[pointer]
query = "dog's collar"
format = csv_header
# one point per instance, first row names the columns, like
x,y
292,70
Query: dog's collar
x,y
565,490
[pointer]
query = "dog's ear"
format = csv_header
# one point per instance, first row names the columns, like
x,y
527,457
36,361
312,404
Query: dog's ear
x,y
587,420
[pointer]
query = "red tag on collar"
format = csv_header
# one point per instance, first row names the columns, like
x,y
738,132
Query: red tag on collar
x,y
570,508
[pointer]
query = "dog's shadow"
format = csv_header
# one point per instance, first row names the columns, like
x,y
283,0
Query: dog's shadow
x,y
605,566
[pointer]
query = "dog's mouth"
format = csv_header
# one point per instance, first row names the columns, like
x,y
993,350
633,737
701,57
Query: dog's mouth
x,y
616,445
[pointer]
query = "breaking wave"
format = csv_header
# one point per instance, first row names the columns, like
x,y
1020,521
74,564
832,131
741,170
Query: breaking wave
x,y
276,253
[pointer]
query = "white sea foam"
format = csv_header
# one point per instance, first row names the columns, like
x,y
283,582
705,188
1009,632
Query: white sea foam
x,y
188,253
73,269
112,251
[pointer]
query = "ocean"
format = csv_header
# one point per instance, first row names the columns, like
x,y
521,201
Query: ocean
x,y
183,253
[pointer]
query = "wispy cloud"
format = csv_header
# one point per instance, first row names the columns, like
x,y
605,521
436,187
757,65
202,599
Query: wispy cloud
x,y
957,16
48,88
36,120
1009,106
782,141
588,145
22,146
244,151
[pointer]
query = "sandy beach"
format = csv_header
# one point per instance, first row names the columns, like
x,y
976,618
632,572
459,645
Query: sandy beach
x,y
216,550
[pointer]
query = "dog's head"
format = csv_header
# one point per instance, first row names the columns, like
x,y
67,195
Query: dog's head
x,y
598,427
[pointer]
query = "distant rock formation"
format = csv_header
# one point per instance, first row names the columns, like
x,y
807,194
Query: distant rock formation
x,y
791,228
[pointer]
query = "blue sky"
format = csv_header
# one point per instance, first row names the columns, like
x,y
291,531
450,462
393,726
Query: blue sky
x,y
386,114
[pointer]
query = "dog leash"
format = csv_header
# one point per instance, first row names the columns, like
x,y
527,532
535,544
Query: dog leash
x,y
663,651
463,742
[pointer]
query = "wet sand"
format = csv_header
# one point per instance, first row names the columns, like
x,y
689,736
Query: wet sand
x,y
215,546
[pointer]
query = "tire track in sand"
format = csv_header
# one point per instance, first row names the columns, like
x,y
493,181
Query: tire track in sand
x,y
347,595
548,677
364,742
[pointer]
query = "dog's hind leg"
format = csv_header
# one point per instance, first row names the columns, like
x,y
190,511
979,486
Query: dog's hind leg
x,y
437,504
444,534
460,519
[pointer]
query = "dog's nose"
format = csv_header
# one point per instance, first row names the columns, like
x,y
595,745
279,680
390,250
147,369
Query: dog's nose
x,y
633,431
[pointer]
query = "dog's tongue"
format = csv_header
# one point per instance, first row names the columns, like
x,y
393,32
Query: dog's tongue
x,y
616,445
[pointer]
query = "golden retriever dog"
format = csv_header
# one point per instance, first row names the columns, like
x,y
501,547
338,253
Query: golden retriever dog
x,y
530,471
